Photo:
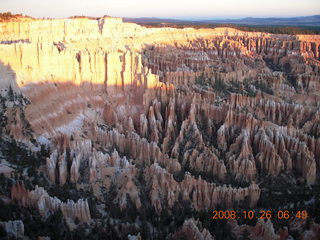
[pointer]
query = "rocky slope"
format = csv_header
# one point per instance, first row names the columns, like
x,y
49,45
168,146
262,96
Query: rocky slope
x,y
131,120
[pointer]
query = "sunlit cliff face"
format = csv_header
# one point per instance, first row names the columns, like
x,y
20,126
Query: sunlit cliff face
x,y
79,70
64,66
189,110
47,56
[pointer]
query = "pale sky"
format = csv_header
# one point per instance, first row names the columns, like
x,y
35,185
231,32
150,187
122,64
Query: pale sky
x,y
163,8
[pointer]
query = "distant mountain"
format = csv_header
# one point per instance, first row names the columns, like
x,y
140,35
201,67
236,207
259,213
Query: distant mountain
x,y
292,21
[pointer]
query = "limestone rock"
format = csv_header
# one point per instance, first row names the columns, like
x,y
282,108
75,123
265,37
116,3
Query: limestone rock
x,y
262,230
200,193
14,229
191,231
39,198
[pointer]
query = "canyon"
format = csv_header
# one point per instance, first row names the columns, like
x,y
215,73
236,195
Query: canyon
x,y
152,121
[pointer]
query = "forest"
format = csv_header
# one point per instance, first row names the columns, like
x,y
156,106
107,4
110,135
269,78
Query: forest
x,y
247,28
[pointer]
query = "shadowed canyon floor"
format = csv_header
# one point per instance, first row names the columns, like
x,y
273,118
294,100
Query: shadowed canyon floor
x,y
116,131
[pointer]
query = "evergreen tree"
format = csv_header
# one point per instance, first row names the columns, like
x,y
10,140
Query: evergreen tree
x,y
10,94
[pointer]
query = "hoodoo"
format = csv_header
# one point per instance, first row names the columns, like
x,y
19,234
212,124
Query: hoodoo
x,y
121,129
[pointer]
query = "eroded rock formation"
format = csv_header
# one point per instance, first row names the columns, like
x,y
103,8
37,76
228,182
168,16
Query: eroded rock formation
x,y
160,115
41,200
191,231
201,194
14,229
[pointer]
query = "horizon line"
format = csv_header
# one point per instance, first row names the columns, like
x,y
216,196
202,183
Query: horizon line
x,y
169,17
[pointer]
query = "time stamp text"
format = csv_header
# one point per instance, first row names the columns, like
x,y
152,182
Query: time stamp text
x,y
262,214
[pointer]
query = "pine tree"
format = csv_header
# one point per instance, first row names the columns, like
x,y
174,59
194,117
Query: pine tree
x,y
10,94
